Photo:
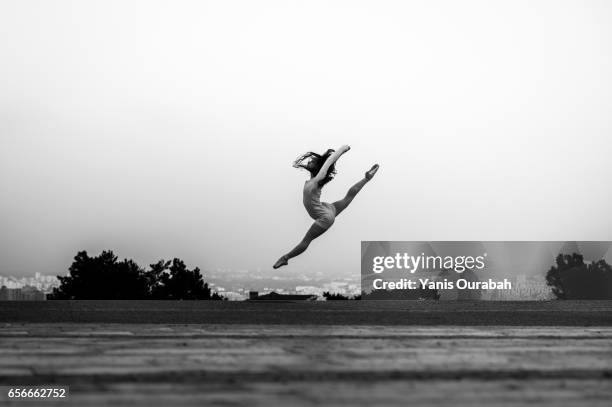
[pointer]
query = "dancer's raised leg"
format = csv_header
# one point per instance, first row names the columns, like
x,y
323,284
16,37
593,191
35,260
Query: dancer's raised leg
x,y
354,190
314,232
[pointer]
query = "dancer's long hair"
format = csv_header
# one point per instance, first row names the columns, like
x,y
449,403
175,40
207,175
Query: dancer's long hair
x,y
317,161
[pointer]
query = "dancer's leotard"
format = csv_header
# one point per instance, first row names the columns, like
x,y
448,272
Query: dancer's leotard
x,y
323,213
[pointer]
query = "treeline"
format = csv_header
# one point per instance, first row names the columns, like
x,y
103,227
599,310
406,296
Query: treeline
x,y
329,296
105,277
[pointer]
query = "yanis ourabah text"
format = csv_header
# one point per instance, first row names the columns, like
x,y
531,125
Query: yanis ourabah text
x,y
425,283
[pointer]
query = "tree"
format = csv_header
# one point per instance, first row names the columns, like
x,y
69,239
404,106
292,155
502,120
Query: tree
x,y
173,280
571,278
102,278
156,276
105,278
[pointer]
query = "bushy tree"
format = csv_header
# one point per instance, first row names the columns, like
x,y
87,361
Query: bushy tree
x,y
103,277
571,278
173,280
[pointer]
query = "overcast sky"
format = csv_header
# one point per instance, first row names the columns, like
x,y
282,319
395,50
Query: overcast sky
x,y
163,129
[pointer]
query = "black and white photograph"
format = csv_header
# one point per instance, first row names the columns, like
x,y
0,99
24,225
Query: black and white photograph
x,y
305,203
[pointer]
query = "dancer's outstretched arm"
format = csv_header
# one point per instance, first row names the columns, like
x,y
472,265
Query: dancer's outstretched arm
x,y
328,163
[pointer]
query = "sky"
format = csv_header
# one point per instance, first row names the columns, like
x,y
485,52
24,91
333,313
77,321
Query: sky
x,y
163,129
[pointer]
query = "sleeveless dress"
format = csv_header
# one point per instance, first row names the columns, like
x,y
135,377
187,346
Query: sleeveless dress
x,y
323,213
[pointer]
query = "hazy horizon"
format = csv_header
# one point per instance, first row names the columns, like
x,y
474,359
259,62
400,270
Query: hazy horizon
x,y
162,130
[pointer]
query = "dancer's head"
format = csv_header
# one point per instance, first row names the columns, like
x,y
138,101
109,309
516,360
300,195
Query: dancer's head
x,y
312,162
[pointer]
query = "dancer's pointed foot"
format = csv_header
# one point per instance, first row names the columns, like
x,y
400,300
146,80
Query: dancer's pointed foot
x,y
283,261
369,174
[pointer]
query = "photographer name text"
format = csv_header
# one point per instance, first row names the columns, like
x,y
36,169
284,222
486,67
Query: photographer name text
x,y
426,283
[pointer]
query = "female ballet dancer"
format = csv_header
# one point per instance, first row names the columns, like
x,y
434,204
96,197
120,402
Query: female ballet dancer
x,y
322,170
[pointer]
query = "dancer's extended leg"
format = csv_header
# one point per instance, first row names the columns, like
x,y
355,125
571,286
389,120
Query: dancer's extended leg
x,y
314,232
354,190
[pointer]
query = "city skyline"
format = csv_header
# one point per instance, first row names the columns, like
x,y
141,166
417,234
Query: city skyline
x,y
525,287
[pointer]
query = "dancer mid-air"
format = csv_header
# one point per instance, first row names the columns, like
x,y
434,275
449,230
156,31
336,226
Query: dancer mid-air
x,y
322,170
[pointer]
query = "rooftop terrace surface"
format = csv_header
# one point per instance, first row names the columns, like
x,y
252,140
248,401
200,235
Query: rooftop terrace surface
x,y
521,313
347,359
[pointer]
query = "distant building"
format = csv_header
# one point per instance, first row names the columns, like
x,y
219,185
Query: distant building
x,y
26,293
44,283
274,296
